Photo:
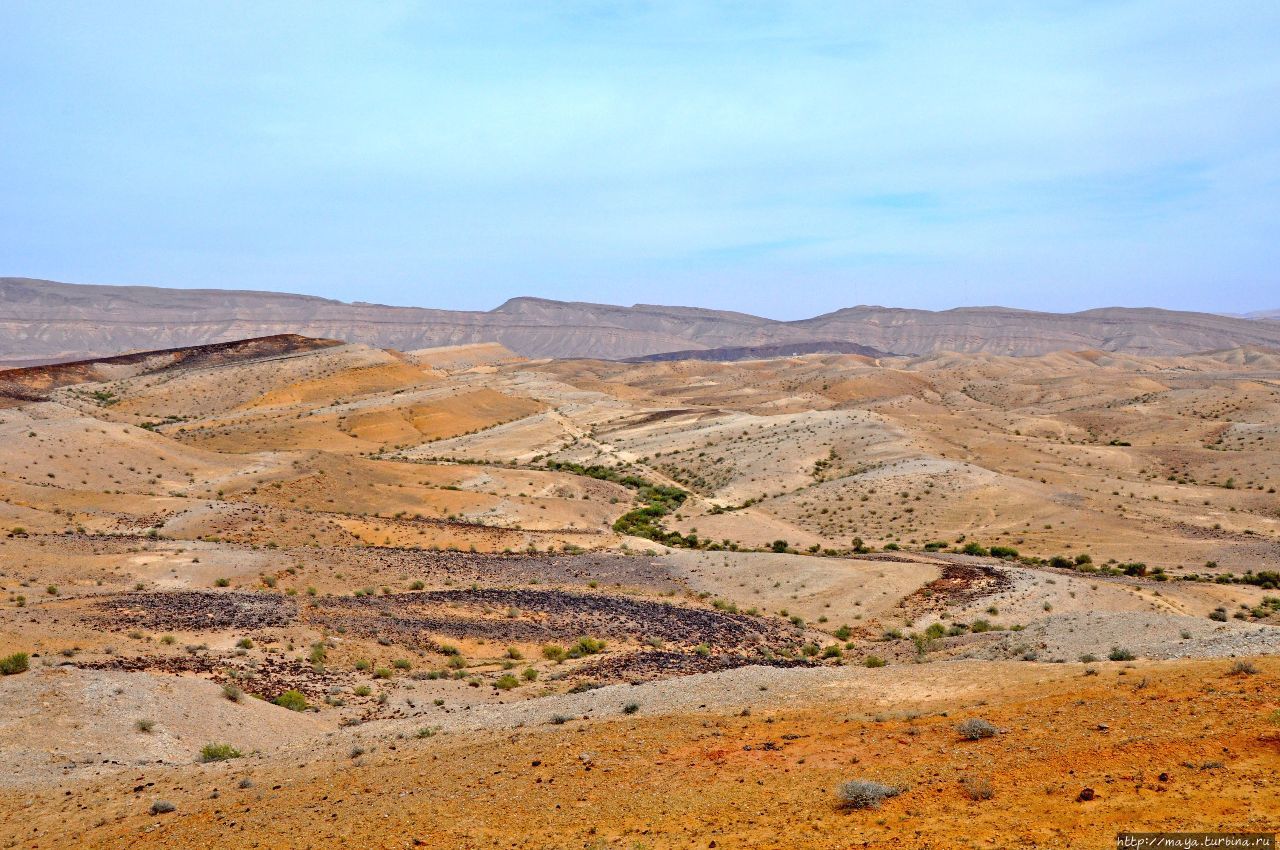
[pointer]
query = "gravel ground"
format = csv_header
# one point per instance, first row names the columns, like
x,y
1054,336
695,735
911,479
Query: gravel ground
x,y
1146,635
851,690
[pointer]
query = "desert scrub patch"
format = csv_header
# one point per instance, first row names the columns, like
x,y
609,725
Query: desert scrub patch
x,y
219,752
865,793
232,692
1243,668
506,682
873,661
19,662
1120,654
144,724
976,788
975,729
292,699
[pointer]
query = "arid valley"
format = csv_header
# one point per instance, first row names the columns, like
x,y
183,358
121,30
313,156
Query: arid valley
x,y
300,592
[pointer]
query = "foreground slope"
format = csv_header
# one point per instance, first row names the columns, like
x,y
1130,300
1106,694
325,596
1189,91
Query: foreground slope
x,y
454,597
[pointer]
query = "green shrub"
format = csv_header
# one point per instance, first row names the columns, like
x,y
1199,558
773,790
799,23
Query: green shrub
x,y
219,752
293,700
506,682
586,646
873,661
1118,654
19,662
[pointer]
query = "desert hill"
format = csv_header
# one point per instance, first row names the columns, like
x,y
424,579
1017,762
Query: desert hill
x,y
302,592
49,321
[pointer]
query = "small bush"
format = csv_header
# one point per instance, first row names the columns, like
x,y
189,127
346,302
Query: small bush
x,y
586,646
1118,654
873,661
222,582
865,794
506,682
975,729
232,692
977,789
552,652
382,673
144,724
631,708
529,674
401,664
219,752
16,663
292,699
1088,658
1244,668
244,643
362,690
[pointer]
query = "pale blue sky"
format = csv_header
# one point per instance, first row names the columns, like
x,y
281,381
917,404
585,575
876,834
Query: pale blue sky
x,y
780,158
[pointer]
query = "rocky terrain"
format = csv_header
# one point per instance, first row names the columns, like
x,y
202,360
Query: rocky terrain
x,y
302,592
46,321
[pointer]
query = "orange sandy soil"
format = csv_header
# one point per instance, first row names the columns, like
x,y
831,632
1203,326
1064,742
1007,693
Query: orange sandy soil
x,y
706,781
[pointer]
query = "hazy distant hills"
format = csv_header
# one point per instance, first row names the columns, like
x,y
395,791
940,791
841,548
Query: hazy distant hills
x,y
45,321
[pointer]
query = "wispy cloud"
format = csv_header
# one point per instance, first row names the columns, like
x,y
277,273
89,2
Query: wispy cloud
x,y
781,158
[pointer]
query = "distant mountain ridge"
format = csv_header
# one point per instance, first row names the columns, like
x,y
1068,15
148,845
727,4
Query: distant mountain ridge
x,y
48,321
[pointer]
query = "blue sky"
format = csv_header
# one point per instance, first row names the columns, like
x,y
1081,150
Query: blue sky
x,y
779,158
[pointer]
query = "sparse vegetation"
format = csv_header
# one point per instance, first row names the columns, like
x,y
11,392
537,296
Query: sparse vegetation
x,y
865,793
18,662
219,752
975,729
